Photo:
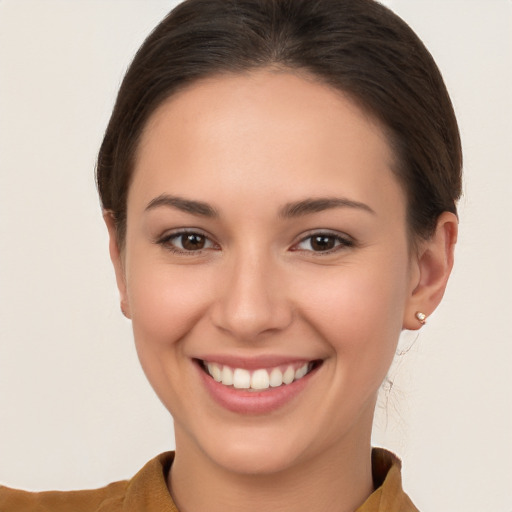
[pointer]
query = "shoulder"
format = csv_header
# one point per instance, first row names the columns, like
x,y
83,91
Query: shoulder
x,y
108,498
147,488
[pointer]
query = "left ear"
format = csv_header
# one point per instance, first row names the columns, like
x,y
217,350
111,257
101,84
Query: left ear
x,y
433,262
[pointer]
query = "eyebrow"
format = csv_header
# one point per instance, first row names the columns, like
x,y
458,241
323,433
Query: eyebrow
x,y
185,205
308,206
289,210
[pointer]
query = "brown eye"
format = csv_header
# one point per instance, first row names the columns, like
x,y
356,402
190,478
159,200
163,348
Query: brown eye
x,y
187,242
192,241
322,243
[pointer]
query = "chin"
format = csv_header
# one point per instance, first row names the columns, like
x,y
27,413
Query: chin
x,y
255,452
245,459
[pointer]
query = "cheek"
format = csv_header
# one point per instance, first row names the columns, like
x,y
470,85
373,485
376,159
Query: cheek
x,y
166,302
361,297
358,310
167,305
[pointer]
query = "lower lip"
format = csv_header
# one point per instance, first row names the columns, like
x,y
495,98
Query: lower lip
x,y
242,401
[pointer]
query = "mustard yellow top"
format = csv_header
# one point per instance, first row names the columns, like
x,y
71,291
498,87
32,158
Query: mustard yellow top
x,y
147,492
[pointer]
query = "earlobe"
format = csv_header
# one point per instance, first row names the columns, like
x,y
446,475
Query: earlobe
x,y
434,265
117,260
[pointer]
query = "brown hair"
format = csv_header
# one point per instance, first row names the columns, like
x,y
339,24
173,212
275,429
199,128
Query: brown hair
x,y
357,46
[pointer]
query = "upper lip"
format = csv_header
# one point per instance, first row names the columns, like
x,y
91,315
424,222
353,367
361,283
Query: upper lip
x,y
255,362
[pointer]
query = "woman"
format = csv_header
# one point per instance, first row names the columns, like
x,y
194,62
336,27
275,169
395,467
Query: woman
x,y
279,181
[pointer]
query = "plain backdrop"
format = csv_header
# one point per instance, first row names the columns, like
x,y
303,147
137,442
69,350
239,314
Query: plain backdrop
x,y
75,408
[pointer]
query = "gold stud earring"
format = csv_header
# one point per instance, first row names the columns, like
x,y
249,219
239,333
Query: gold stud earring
x,y
421,317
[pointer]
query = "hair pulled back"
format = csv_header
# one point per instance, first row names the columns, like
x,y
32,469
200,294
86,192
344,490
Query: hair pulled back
x,y
356,46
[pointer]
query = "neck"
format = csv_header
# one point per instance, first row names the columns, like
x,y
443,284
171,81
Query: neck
x,y
340,479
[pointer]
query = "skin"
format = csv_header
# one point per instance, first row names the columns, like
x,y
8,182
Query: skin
x,y
248,146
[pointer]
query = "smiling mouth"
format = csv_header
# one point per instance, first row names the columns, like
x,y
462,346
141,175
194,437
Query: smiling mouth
x,y
260,379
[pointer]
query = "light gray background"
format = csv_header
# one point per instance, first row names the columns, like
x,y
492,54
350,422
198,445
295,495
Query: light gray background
x,y
75,408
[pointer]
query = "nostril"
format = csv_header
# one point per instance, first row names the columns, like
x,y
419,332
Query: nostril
x,y
251,304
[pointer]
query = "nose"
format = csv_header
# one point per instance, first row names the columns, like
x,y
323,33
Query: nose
x,y
251,299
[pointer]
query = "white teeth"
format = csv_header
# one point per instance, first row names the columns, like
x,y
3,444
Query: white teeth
x,y
300,372
215,371
260,379
289,375
276,377
241,379
227,376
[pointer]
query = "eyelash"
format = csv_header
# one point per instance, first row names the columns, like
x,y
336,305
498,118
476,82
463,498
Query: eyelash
x,y
341,242
166,241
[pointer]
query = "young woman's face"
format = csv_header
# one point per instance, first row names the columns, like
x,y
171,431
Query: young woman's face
x,y
266,237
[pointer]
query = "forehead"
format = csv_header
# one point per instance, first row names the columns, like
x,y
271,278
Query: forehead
x,y
266,129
